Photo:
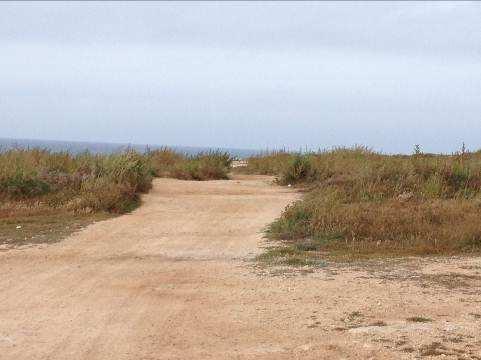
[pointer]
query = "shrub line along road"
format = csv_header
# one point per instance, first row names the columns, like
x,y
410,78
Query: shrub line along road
x,y
175,280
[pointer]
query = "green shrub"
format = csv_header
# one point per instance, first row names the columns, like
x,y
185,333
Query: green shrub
x,y
293,224
298,170
20,186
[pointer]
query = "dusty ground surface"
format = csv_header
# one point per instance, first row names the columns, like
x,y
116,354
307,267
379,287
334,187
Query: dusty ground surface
x,y
175,280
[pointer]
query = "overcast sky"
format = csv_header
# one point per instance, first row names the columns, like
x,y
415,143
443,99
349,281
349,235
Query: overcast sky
x,y
248,75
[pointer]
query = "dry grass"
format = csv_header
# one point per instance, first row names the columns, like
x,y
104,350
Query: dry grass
x,y
78,183
360,203
211,165
267,164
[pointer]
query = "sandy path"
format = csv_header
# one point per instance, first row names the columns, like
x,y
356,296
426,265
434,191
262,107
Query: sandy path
x,y
173,280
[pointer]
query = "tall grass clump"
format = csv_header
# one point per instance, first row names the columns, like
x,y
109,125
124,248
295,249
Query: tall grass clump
x,y
298,169
210,165
360,202
84,182
270,163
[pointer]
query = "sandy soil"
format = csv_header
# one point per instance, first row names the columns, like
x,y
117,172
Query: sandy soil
x,y
176,280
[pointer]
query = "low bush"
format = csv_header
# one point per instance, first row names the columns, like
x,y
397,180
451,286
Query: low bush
x,y
299,169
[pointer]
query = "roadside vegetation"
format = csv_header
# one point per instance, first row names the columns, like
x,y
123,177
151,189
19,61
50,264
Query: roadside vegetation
x,y
46,195
212,165
360,203
83,182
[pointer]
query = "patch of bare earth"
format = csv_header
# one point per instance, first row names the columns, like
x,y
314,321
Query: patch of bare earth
x,y
39,227
175,280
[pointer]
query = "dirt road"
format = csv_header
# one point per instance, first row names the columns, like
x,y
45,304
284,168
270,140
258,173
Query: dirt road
x,y
175,280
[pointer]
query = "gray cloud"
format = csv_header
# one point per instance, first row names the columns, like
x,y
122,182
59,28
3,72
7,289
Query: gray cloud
x,y
243,74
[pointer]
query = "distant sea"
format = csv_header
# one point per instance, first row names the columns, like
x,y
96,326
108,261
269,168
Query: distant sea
x,y
76,147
